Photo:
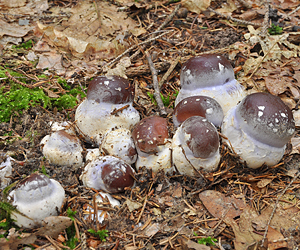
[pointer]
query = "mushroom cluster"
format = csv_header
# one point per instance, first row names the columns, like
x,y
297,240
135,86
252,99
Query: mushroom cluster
x,y
257,126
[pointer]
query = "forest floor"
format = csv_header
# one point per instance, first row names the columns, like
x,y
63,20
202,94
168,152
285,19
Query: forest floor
x,y
58,46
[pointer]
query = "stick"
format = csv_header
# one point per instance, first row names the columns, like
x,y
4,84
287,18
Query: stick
x,y
234,19
168,19
166,75
266,25
156,94
136,45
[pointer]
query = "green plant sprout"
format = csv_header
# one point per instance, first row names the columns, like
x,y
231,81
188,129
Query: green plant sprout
x,y
165,100
101,234
26,45
208,240
71,231
44,171
275,30
71,213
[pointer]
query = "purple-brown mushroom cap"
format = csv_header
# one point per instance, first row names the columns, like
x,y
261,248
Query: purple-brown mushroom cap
x,y
266,118
110,89
204,106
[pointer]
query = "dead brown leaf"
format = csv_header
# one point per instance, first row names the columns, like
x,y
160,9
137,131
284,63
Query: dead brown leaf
x,y
14,239
219,205
88,31
275,240
53,225
264,182
196,5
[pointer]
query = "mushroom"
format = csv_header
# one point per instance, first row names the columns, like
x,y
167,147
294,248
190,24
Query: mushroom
x,y
92,154
100,213
5,170
62,148
259,128
119,143
195,146
108,173
36,197
152,143
109,106
204,106
210,75
65,125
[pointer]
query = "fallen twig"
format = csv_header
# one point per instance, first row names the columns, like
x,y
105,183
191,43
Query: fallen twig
x,y
166,75
168,19
135,46
10,77
266,24
266,54
243,22
156,94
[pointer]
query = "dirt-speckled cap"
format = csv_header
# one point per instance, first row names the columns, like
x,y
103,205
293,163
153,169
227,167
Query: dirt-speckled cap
x,y
110,89
266,118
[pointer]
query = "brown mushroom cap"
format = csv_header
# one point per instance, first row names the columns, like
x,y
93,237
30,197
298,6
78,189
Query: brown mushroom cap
x,y
206,71
109,173
203,138
117,175
149,133
110,89
266,118
204,106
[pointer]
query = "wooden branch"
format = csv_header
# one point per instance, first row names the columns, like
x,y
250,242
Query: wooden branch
x,y
156,94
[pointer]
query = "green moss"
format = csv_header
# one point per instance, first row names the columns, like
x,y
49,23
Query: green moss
x,y
19,98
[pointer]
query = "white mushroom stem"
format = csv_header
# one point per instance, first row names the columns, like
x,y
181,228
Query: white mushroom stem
x,y
119,143
158,160
94,119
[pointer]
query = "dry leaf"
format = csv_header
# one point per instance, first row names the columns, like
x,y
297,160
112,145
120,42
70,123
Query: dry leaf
x,y
295,141
15,239
196,5
133,205
275,240
53,225
14,30
219,205
152,229
264,182
244,233
89,30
